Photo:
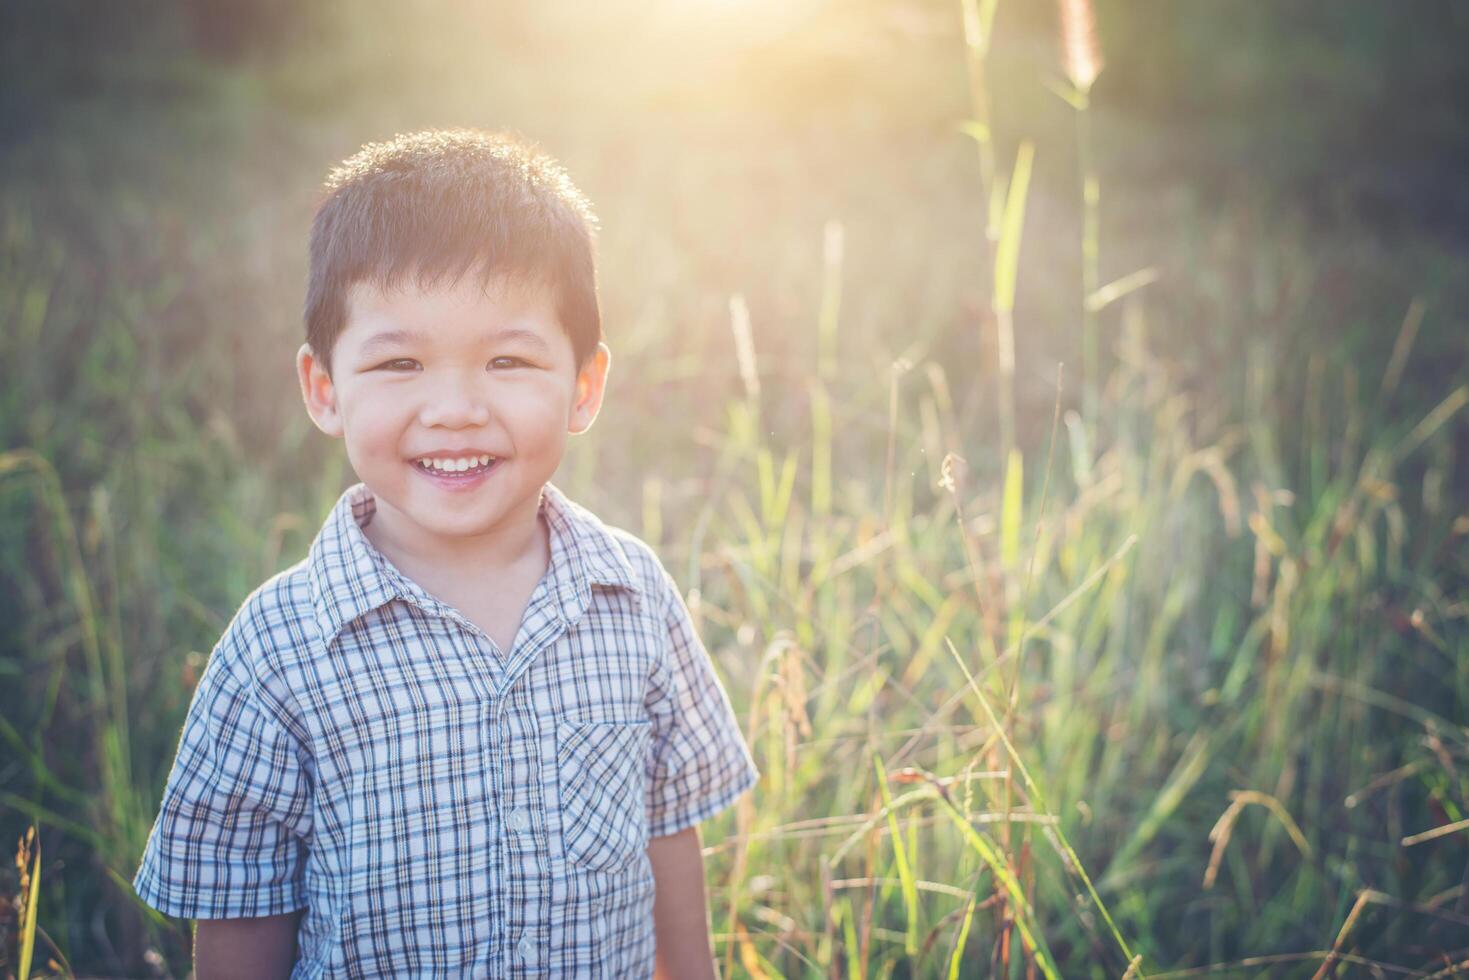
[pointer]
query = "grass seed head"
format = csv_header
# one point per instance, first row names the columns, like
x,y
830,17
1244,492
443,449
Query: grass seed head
x,y
1081,53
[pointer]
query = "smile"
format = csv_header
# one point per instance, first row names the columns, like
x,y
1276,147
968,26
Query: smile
x,y
459,474
462,465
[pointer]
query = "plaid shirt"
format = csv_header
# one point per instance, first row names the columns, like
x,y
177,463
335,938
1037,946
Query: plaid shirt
x,y
440,808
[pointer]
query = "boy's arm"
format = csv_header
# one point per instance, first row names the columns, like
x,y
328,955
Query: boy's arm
x,y
242,949
698,767
680,916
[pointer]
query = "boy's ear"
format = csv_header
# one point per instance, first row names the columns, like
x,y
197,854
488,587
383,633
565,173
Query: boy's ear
x,y
318,392
591,382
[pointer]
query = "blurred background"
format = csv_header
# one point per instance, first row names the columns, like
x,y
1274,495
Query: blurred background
x,y
1055,413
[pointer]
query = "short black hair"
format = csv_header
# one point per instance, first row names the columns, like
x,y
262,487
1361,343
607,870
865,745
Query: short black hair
x,y
438,204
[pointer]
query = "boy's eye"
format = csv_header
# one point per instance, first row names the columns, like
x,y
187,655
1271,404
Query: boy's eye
x,y
508,362
399,364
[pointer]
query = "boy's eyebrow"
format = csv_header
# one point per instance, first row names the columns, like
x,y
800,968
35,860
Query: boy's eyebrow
x,y
388,339
528,337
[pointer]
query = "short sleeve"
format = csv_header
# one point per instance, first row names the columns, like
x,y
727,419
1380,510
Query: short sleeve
x,y
229,841
699,763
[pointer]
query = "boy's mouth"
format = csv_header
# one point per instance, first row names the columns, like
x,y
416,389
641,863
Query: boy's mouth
x,y
469,465
457,472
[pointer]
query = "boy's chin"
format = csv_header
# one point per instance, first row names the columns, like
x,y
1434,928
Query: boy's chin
x,y
446,527
457,512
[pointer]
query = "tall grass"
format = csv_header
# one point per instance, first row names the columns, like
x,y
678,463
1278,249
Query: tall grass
x,y
1160,691
1171,684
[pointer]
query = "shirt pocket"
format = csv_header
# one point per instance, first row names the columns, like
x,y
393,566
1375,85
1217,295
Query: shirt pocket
x,y
603,793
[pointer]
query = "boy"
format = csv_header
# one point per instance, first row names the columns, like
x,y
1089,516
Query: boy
x,y
473,732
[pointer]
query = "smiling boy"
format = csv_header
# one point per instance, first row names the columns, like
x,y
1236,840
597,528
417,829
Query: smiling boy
x,y
473,732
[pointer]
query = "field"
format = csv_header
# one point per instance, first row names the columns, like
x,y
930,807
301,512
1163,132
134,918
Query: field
x,y
1068,472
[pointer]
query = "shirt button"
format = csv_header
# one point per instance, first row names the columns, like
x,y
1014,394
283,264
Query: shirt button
x,y
518,820
524,948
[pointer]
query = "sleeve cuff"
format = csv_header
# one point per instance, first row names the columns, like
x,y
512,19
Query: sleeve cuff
x,y
672,821
270,899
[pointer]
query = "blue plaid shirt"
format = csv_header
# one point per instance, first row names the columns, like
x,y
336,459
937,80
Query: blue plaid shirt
x,y
440,808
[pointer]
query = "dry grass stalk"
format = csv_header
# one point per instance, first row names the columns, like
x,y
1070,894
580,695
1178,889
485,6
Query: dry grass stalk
x,y
1436,832
1412,320
1328,965
1223,828
739,324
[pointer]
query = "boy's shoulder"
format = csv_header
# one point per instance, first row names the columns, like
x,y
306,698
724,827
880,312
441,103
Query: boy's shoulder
x,y
292,611
276,619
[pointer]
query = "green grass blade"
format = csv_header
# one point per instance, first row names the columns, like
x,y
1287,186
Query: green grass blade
x,y
900,853
961,940
1012,510
1024,915
1007,253
32,902
1040,802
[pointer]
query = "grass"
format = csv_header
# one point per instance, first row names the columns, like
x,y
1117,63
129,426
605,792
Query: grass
x,y
1167,679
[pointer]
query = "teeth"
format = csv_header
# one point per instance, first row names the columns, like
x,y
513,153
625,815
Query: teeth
x,y
458,465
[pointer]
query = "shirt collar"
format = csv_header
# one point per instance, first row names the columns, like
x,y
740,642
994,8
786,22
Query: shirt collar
x,y
593,555
349,577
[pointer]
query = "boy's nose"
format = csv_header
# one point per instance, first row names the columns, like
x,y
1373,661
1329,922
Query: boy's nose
x,y
455,404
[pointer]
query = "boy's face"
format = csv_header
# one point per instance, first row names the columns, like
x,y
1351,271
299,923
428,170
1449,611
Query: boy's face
x,y
452,374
